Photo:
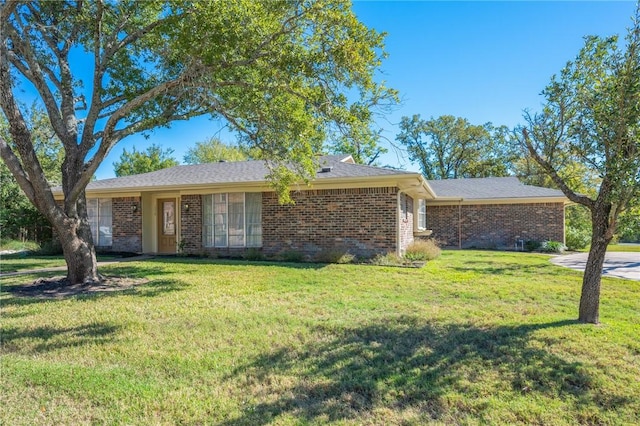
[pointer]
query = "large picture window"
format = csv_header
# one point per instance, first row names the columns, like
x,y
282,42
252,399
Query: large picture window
x,y
232,220
99,213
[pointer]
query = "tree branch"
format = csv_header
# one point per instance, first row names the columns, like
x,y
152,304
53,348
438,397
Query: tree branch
x,y
35,76
110,136
88,138
13,164
571,195
32,180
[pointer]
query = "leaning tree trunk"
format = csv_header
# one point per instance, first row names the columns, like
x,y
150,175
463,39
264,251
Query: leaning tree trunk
x,y
590,297
79,251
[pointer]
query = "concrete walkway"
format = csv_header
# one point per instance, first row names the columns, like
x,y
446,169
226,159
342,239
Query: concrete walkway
x,y
616,264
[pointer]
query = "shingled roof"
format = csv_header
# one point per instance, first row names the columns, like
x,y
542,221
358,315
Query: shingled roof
x,y
490,188
338,169
335,167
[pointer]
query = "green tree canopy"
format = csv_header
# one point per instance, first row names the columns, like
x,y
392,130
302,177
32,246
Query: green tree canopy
x,y
450,147
213,150
136,162
364,148
629,226
591,118
285,75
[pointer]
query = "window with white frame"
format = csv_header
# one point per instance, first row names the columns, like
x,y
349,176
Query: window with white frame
x,y
99,213
422,214
232,219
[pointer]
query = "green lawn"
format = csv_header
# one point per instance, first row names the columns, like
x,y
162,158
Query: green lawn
x,y
23,262
473,338
18,262
17,245
633,248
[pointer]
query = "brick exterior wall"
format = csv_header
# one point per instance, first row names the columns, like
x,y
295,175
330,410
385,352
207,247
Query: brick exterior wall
x,y
496,225
191,224
360,221
406,221
127,225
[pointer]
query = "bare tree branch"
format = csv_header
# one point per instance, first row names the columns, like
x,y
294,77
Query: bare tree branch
x,y
35,76
571,195
31,180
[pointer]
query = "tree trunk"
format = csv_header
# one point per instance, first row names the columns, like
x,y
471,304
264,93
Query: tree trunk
x,y
79,251
590,298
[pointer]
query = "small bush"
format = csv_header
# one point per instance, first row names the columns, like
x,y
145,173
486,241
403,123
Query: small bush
x,y
389,259
292,256
552,247
253,254
334,256
422,250
182,245
51,248
532,245
577,239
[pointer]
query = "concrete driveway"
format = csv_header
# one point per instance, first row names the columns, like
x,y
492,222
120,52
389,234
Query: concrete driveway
x,y
616,264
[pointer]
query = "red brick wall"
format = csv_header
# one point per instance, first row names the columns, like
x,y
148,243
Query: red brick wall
x,y
361,221
496,225
127,224
191,224
406,221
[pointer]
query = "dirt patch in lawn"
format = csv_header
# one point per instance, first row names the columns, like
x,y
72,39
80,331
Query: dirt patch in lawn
x,y
59,287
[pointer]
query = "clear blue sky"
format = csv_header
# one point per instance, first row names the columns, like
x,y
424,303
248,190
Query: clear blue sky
x,y
484,61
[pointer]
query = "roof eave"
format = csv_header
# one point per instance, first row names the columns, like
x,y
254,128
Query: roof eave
x,y
507,200
407,182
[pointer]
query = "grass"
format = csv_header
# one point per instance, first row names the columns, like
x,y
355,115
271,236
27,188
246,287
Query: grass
x,y
474,337
633,248
18,262
23,262
17,245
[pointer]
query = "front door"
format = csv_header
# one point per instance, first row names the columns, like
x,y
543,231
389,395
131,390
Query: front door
x,y
167,225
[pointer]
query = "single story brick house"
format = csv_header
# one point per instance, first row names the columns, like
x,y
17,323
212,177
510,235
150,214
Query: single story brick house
x,y
228,207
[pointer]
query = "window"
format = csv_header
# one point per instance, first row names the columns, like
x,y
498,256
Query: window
x,y
99,213
253,218
422,214
232,220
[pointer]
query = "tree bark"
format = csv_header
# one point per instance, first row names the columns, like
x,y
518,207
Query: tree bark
x,y
589,311
78,249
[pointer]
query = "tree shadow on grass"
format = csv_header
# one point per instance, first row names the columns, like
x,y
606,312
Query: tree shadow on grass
x,y
406,363
232,261
35,264
486,268
45,338
20,295
156,288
